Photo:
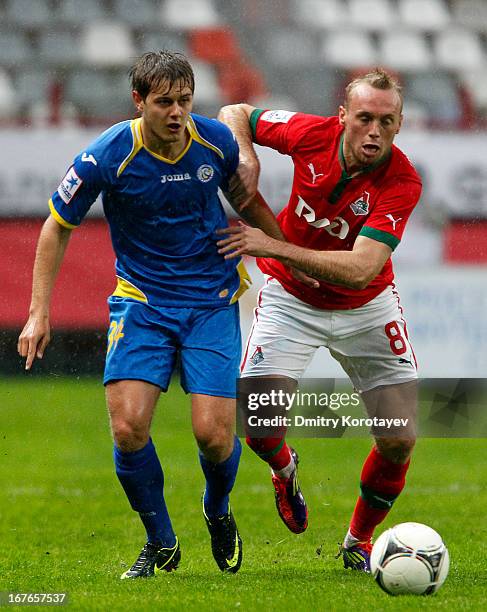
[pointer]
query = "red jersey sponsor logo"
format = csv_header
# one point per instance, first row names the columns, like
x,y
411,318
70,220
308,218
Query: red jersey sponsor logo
x,y
338,227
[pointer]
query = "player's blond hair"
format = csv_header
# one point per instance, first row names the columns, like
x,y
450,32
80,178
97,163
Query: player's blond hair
x,y
377,78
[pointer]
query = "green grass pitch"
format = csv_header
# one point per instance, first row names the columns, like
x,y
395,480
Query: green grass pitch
x,y
65,524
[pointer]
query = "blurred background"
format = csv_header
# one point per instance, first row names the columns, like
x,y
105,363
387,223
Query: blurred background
x,y
63,79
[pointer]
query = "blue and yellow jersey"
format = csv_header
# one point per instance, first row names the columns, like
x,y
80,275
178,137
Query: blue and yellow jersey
x,y
163,214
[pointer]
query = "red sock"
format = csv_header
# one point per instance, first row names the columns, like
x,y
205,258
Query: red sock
x,y
273,451
381,482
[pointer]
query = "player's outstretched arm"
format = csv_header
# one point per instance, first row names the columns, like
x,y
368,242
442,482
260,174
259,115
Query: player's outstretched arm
x,y
50,252
258,213
244,185
355,269
243,195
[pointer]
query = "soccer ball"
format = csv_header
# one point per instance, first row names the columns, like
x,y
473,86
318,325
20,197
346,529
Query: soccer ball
x,y
410,558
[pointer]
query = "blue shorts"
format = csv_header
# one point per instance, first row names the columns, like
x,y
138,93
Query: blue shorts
x,y
144,342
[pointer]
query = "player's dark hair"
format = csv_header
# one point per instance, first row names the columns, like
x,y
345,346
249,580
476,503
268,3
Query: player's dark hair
x,y
156,67
377,78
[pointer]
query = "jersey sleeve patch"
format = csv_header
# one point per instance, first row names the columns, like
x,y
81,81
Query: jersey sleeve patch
x,y
281,130
380,236
277,116
69,185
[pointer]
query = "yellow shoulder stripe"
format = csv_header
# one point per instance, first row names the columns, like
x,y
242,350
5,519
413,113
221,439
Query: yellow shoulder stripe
x,y
245,282
198,138
126,289
58,217
137,144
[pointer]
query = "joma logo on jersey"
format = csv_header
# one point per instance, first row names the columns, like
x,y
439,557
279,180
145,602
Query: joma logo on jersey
x,y
361,206
338,227
170,178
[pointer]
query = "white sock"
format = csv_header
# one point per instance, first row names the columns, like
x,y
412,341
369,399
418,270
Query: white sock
x,y
349,540
287,471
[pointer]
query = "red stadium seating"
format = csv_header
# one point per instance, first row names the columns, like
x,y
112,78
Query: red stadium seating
x,y
240,81
214,45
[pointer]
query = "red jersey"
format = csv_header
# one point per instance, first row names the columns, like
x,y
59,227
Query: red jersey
x,y
328,208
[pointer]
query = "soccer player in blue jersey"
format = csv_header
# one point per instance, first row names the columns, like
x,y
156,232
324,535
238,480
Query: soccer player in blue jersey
x,y
158,176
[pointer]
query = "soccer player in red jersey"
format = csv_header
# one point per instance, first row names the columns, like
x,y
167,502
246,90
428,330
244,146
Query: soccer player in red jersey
x,y
332,283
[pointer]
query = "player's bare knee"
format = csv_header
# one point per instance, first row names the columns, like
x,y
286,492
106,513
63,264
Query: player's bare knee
x,y
216,446
127,436
397,450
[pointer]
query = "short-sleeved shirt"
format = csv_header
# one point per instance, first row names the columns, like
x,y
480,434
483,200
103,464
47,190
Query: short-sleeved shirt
x,y
328,208
163,214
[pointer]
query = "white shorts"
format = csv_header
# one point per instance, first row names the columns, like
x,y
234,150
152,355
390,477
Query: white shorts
x,y
370,342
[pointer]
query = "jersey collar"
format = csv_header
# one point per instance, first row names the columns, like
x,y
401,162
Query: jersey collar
x,y
138,144
345,178
166,159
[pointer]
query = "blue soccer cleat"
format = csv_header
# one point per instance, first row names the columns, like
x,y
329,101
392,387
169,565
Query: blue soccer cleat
x,y
356,557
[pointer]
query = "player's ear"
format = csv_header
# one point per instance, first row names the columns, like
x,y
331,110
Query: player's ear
x,y
400,124
342,111
138,100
